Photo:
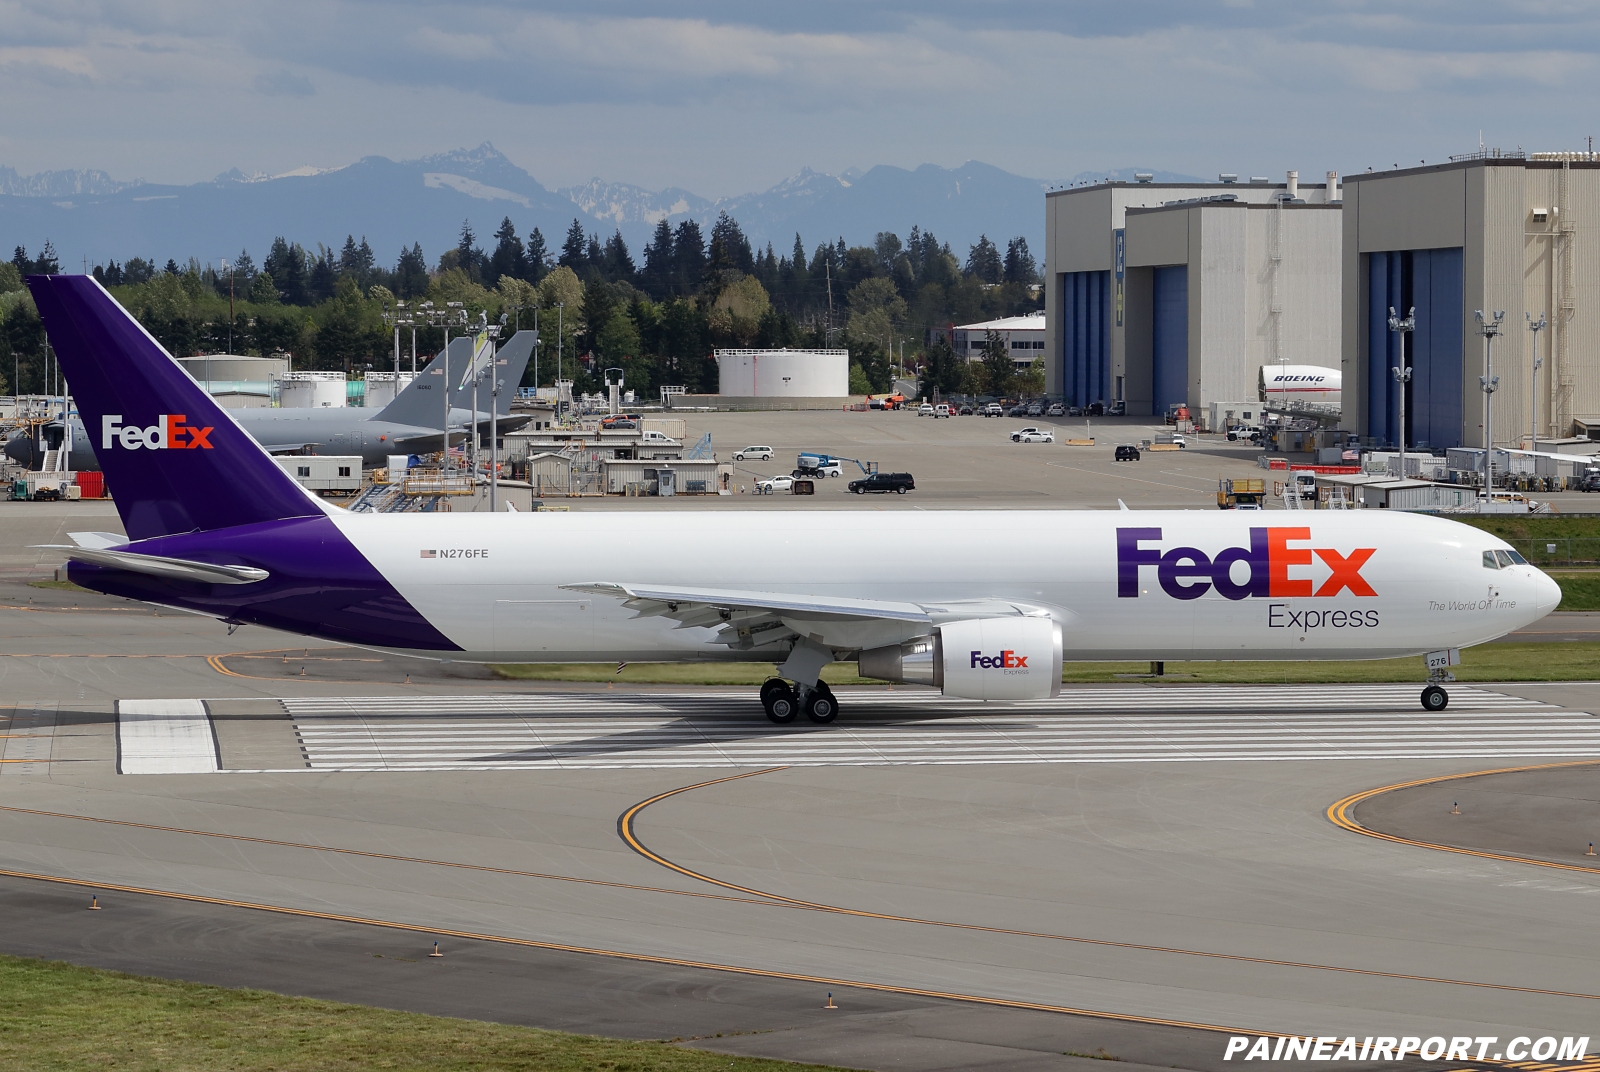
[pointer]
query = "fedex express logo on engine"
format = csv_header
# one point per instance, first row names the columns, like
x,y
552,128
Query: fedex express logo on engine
x,y
1008,660
168,433
1273,566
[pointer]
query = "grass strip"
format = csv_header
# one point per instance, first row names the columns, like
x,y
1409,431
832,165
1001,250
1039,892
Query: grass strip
x,y
1579,590
1550,661
57,1017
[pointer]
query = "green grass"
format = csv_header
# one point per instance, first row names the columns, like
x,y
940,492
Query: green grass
x,y
1579,591
57,1017
1570,661
1512,527
58,586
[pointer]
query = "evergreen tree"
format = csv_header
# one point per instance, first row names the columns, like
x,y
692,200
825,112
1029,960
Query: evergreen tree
x,y
574,251
262,290
1019,263
46,263
538,257
688,258
998,364
319,287
598,304
411,273
508,258
595,257
658,261
618,261
983,261
244,268
19,257
729,247
113,275
172,267
137,270
469,258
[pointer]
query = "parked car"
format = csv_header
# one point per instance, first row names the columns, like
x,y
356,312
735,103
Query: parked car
x,y
1016,437
1019,410
884,482
1056,410
941,410
925,410
1242,432
617,421
1035,435
1179,442
965,411
774,484
756,453
1036,409
994,409
1127,453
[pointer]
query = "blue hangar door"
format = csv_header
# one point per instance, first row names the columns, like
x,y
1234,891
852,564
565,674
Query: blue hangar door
x,y
1430,280
1085,311
1169,337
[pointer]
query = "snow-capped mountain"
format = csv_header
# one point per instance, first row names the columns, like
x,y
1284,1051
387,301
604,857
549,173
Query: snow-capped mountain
x,y
87,214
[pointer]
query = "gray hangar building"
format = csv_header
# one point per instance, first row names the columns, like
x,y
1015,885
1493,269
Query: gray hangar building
x,y
1164,293
1491,231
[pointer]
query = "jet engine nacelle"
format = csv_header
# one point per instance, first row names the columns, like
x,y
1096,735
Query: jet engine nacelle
x,y
977,659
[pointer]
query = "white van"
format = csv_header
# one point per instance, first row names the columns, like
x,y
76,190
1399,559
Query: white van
x,y
753,453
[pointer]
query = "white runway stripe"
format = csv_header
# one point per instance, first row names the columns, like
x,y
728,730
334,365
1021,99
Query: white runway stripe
x,y
1096,725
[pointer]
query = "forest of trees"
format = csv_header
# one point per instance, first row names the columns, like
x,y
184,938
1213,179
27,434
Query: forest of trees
x,y
658,315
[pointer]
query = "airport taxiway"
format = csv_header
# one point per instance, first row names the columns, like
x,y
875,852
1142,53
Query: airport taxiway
x,y
1185,886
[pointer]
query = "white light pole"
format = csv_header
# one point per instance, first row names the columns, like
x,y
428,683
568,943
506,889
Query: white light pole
x,y
1488,328
1536,326
559,307
1402,372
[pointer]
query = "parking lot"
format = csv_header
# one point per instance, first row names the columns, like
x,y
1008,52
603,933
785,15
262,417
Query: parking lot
x,y
964,463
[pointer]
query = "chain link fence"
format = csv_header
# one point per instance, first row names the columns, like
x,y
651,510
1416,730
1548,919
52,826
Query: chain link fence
x,y
1582,551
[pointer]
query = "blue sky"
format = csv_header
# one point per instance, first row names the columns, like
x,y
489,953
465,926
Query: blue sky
x,y
722,97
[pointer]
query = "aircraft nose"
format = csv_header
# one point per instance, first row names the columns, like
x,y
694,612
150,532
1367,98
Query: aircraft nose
x,y
1547,593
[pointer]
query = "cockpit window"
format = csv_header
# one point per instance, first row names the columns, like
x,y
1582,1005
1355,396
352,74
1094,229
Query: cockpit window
x,y
1489,561
1505,558
1518,559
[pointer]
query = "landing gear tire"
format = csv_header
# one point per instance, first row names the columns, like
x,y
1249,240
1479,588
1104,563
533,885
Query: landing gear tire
x,y
1434,698
777,698
821,707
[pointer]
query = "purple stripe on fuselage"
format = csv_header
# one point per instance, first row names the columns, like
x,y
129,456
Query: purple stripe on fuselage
x,y
321,585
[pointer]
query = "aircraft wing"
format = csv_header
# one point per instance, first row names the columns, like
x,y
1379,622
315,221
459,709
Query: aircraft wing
x,y
745,620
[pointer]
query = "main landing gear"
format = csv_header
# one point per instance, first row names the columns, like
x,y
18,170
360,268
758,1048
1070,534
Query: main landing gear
x,y
784,702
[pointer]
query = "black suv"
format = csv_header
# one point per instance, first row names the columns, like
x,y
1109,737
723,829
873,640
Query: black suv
x,y
1127,454
900,482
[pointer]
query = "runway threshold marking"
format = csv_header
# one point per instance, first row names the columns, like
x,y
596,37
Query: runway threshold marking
x,y
886,988
1339,813
626,820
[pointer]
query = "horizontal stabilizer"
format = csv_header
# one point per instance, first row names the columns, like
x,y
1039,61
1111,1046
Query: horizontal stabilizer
x,y
181,569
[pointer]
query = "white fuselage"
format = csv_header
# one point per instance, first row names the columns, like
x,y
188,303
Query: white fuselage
x,y
492,582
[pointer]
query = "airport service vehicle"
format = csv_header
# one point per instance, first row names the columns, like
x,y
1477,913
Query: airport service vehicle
x,y
1307,484
925,410
1126,453
1034,435
758,453
215,527
941,410
1176,412
899,483
774,484
413,423
818,465
1237,492
1056,410
1178,441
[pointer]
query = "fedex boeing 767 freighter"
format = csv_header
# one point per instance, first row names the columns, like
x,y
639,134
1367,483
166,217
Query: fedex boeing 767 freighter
x,y
214,526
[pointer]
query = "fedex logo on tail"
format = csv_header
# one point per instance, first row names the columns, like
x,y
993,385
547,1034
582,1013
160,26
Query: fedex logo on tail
x,y
1272,566
168,433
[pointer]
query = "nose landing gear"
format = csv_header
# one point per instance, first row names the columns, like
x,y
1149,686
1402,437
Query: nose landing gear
x,y
1434,698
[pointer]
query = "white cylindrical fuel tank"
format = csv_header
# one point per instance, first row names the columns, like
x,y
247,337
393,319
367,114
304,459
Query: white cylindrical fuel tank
x,y
382,387
311,390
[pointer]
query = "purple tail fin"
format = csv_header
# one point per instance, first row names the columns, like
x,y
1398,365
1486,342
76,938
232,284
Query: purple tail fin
x,y
174,460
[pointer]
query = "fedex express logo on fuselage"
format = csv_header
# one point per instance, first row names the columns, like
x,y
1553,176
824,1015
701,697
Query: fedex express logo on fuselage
x,y
168,433
1271,566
